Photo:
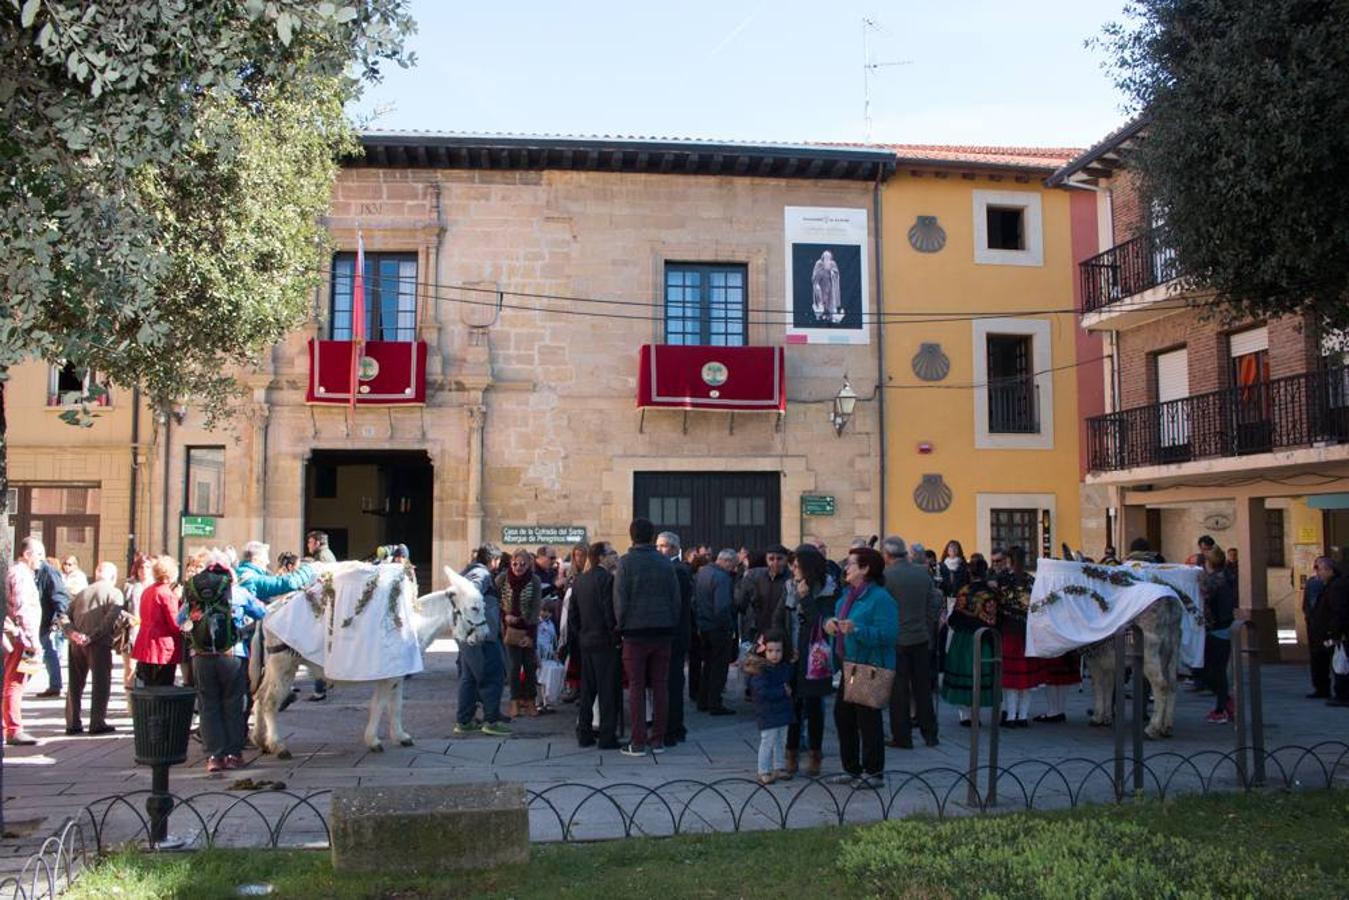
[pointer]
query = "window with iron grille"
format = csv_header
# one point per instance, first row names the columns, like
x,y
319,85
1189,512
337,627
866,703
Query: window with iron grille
x,y
390,296
1009,528
705,305
1274,556
1012,407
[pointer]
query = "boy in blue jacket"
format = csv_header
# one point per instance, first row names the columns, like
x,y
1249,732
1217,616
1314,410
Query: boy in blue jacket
x,y
770,687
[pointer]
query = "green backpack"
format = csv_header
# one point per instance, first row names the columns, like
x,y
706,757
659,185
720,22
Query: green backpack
x,y
209,592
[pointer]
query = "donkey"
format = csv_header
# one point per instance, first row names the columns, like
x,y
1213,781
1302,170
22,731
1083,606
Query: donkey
x,y
458,608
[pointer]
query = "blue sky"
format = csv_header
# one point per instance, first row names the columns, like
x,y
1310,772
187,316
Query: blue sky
x,y
980,71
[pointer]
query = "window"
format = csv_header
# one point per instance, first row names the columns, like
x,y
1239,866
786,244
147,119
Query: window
x,y
745,510
1274,557
1015,528
1011,385
670,512
1006,228
66,385
204,494
390,296
65,517
705,305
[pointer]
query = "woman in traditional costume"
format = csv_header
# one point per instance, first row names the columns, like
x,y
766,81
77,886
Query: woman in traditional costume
x,y
1020,673
976,606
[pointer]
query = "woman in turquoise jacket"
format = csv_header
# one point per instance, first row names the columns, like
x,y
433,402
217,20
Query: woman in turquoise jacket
x,y
865,628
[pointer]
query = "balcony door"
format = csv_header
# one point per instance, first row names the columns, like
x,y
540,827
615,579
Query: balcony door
x,y
1251,395
1173,405
720,509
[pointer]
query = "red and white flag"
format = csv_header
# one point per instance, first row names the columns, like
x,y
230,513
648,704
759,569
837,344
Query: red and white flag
x,y
357,316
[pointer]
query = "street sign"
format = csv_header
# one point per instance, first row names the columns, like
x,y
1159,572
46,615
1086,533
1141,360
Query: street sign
x,y
817,505
535,535
198,526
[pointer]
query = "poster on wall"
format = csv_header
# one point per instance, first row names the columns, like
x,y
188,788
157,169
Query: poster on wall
x,y
828,297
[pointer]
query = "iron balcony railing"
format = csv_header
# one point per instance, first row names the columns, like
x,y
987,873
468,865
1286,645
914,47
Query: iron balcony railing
x,y
1125,270
1297,411
1013,406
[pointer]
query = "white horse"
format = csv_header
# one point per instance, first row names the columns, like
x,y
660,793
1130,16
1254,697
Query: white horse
x,y
1160,626
458,607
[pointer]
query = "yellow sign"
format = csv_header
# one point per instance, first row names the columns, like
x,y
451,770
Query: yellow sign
x,y
1308,534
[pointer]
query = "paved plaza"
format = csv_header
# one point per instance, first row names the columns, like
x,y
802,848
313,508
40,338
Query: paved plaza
x,y
46,783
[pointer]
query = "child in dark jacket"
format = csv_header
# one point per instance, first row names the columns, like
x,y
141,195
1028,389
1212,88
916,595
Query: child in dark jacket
x,y
770,686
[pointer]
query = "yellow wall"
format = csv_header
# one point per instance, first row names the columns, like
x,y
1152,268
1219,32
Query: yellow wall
x,y
950,282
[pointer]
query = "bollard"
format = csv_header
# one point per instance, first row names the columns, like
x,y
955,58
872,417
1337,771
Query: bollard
x,y
1237,695
162,720
1140,712
1117,648
977,664
1248,702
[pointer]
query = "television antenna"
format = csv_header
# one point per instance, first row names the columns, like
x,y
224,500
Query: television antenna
x,y
869,25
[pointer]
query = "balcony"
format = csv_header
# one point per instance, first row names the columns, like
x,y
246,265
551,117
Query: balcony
x,y
1013,406
1308,410
731,379
1123,286
388,373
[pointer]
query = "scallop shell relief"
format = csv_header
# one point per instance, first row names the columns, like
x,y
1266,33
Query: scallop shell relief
x,y
930,364
932,494
926,236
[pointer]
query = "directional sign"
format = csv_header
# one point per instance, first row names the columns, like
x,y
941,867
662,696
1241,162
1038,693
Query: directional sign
x,y
199,526
817,505
534,535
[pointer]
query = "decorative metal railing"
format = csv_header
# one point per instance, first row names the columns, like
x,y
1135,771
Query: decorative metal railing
x,y
1296,411
1013,406
1126,270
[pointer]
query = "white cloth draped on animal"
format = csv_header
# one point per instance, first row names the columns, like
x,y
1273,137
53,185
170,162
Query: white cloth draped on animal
x,y
1075,604
355,620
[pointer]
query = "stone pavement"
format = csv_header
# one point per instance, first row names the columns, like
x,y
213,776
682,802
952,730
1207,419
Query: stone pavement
x,y
46,783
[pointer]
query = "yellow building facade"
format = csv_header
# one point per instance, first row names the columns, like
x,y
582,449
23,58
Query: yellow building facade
x,y
980,399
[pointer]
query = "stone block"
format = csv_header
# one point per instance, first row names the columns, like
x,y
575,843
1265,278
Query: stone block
x,y
429,828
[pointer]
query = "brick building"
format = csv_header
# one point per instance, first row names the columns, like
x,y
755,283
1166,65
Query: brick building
x,y
1208,425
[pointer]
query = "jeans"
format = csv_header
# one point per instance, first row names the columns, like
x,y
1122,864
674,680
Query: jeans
x,y
602,680
482,678
717,650
772,749
93,661
526,658
51,658
1217,653
811,711
912,683
647,662
222,685
675,728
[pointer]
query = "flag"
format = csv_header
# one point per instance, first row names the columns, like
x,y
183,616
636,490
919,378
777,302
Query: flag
x,y
357,316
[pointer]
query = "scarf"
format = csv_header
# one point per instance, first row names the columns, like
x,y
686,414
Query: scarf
x,y
953,563
518,586
849,599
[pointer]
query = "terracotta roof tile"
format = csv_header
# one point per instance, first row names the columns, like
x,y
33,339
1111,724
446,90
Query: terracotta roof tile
x,y
1042,158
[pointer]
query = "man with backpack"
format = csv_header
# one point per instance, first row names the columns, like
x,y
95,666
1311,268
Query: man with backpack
x,y
217,606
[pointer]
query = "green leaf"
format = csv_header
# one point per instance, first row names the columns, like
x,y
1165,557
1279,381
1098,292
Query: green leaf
x,y
283,28
28,14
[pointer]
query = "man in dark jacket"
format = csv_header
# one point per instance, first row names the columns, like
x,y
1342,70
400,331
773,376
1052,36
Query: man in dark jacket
x,y
1318,656
51,589
596,632
646,605
760,591
667,543
714,615
919,602
482,667
1333,622
94,613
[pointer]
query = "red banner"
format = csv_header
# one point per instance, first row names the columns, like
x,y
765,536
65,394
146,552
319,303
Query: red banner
x,y
733,379
391,373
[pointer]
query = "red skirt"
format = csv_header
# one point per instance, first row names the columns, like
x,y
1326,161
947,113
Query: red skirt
x,y
1019,671
1063,670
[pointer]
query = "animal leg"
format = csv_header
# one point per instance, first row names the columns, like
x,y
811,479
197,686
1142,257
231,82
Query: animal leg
x,y
277,679
378,697
1151,627
1100,662
396,714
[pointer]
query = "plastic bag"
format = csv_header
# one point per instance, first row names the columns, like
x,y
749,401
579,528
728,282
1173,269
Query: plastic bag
x,y
819,657
1340,661
551,675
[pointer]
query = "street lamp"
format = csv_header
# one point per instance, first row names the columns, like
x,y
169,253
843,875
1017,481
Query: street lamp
x,y
845,401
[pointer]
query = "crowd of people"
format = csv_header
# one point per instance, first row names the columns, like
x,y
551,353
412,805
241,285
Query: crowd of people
x,y
885,630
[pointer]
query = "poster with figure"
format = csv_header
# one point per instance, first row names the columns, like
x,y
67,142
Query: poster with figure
x,y
827,276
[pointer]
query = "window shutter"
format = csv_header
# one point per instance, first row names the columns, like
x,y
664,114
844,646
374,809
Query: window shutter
x,y
1173,375
1252,341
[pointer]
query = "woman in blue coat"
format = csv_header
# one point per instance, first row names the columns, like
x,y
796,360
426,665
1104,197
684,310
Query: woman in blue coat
x,y
865,628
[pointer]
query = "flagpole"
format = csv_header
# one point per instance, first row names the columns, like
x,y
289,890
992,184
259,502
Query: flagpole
x,y
357,316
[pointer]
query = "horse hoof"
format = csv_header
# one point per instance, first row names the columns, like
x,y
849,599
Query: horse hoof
x,y
376,748
283,754
406,742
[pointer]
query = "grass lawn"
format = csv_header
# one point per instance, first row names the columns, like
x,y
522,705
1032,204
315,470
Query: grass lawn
x,y
1282,845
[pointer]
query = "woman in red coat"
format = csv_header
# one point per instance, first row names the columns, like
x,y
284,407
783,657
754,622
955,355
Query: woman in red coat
x,y
159,643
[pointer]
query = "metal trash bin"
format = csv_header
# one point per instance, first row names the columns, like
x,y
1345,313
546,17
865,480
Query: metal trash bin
x,y
162,721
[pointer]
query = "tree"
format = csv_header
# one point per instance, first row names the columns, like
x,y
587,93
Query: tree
x,y
1248,123
164,169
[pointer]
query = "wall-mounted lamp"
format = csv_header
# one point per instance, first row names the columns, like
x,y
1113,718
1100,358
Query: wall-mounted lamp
x,y
844,404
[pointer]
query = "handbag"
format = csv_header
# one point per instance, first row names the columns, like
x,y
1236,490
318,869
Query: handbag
x,y
867,685
819,658
515,637
1340,661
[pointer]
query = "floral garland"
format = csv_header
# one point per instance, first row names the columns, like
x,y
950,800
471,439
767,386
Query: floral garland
x,y
391,601
1075,590
326,595
367,594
